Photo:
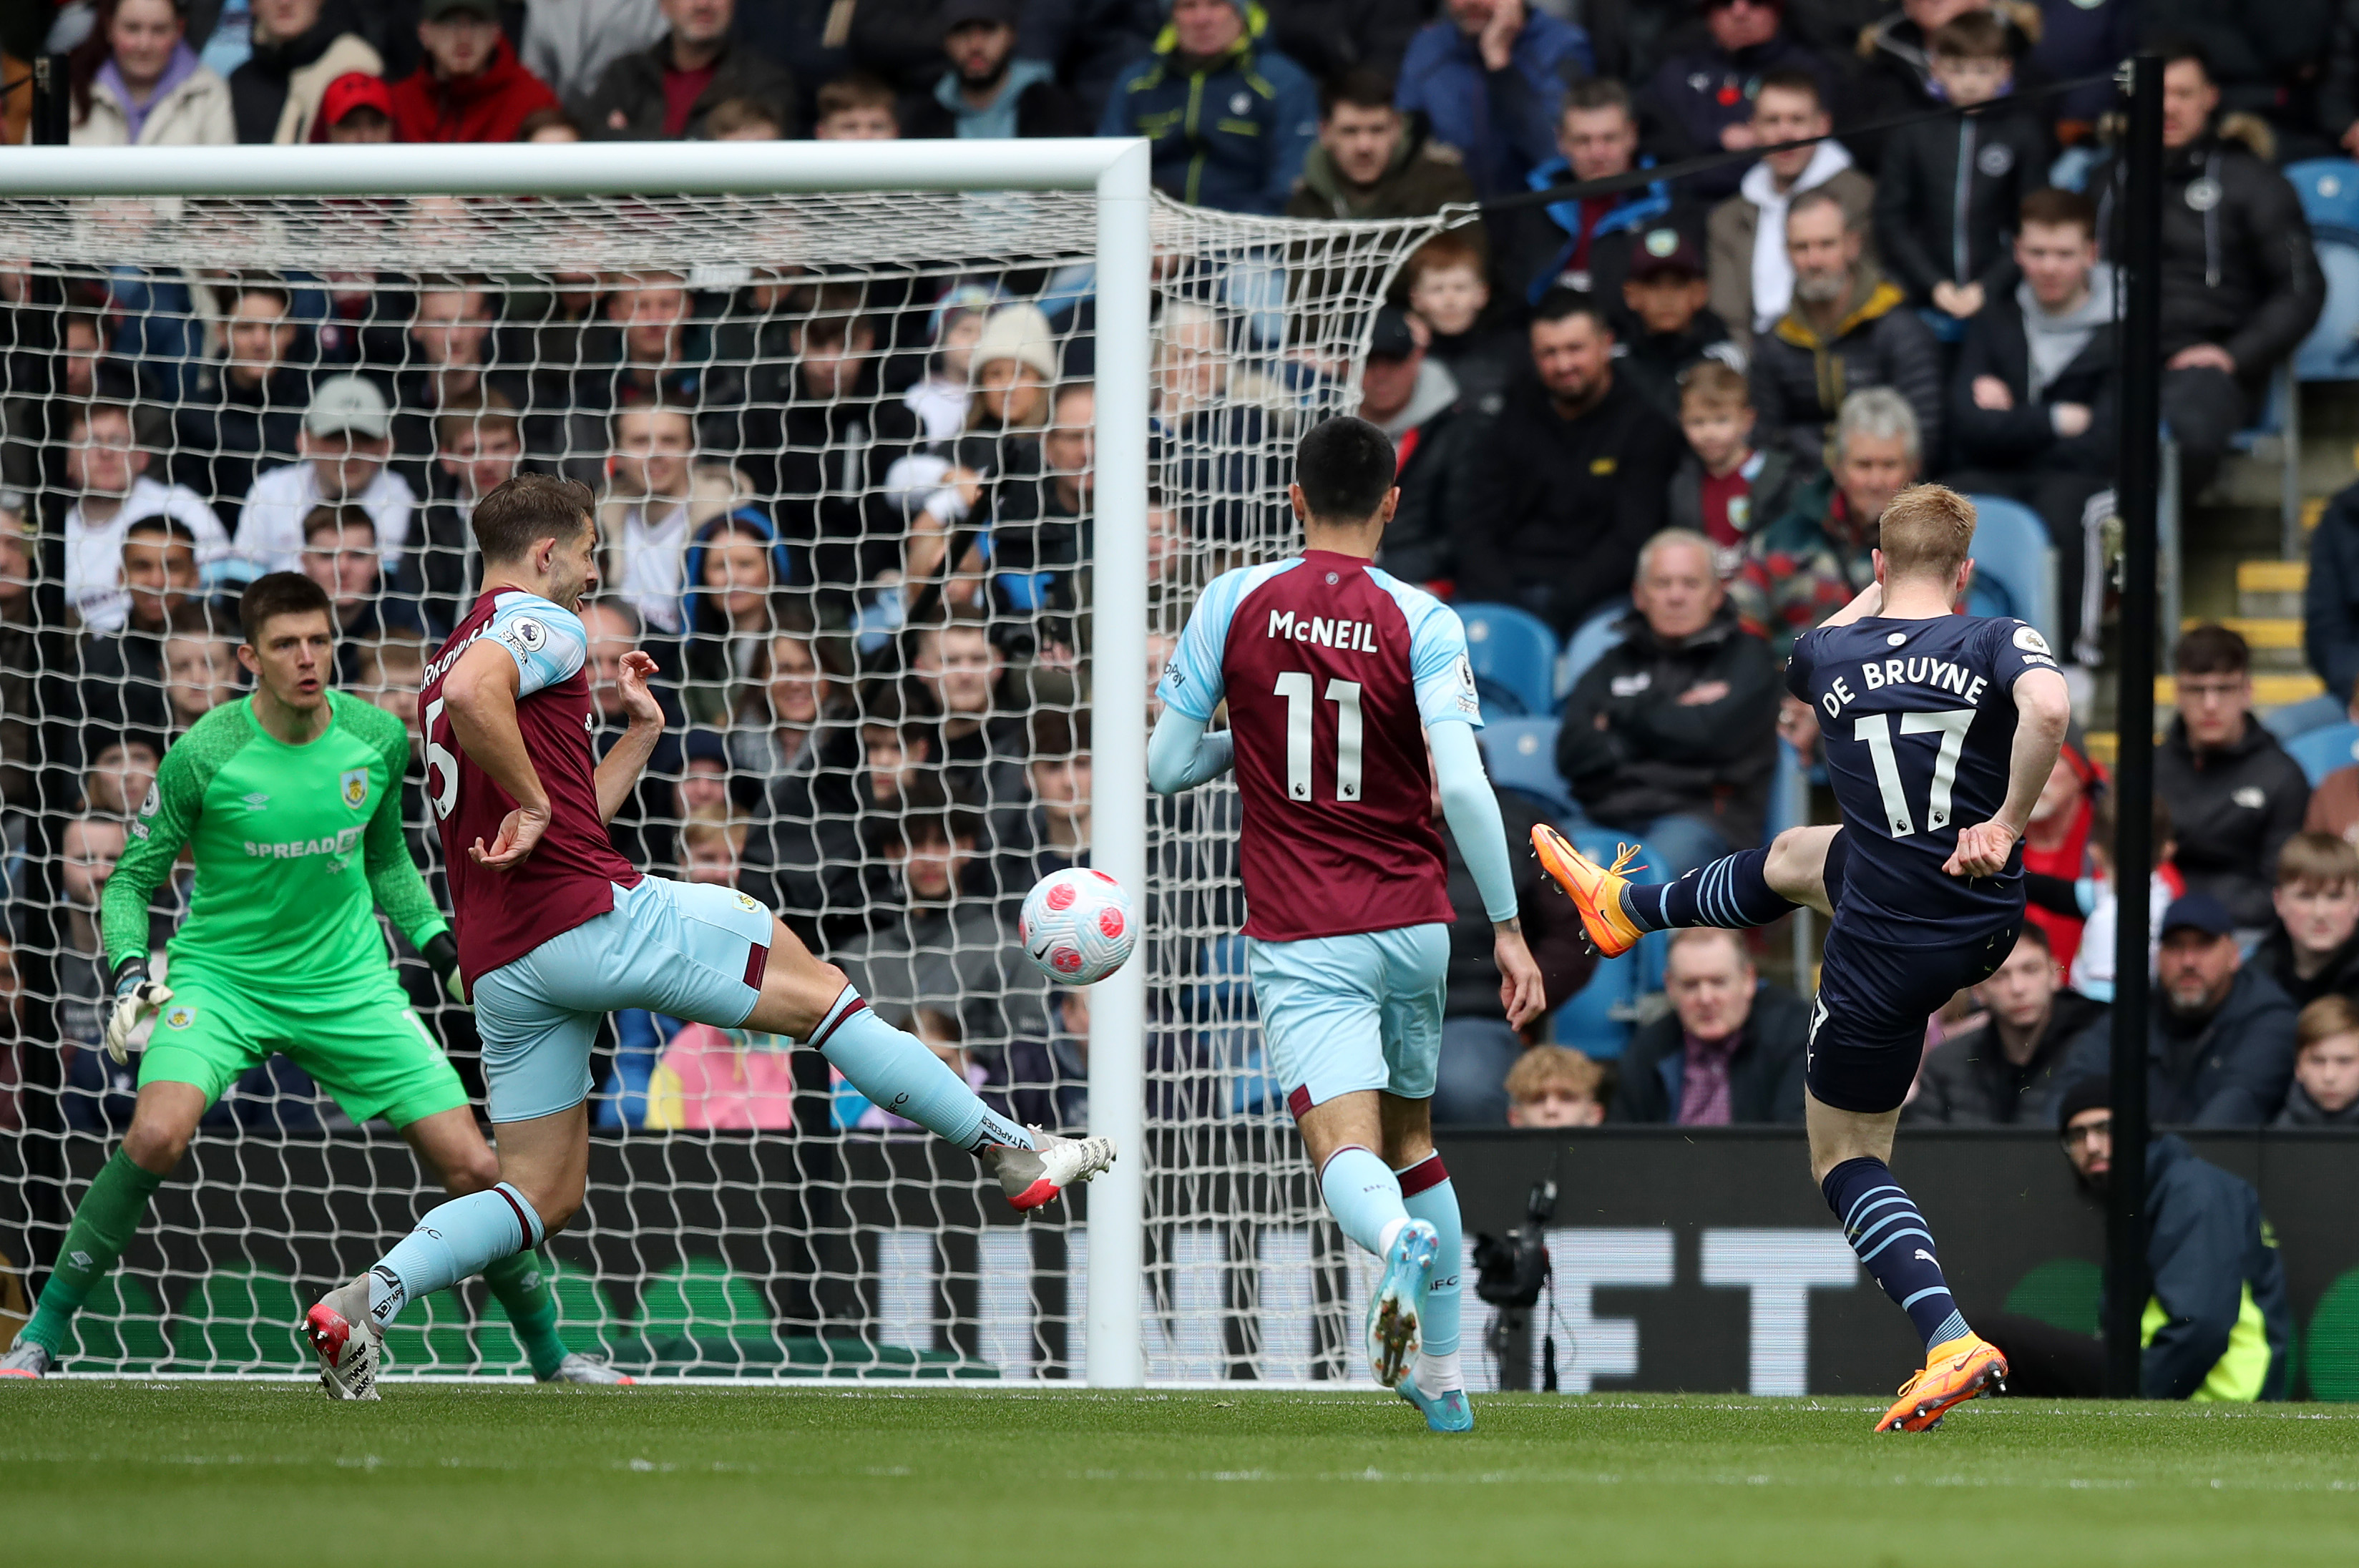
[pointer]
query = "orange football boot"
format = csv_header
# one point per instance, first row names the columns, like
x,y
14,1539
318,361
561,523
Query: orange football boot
x,y
1955,1371
1595,888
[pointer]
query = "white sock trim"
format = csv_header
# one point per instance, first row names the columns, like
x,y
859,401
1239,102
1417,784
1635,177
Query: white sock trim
x,y
1437,1375
1390,1233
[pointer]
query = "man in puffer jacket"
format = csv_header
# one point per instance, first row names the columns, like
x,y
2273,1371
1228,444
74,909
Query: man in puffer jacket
x,y
1231,118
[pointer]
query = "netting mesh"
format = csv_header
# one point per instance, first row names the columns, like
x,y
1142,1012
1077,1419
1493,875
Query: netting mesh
x,y
842,454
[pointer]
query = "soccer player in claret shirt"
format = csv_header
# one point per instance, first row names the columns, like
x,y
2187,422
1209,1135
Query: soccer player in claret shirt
x,y
292,799
1941,731
556,930
1337,677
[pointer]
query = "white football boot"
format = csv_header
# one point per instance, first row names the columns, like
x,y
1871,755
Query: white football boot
x,y
350,1343
26,1359
587,1369
1030,1177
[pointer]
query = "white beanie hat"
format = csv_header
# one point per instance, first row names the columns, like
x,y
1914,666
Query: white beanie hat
x,y
1019,332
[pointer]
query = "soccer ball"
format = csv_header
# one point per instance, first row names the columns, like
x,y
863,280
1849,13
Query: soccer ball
x,y
1077,926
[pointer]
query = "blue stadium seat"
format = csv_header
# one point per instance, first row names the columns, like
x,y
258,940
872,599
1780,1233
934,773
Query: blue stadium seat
x,y
1513,656
2329,189
1521,755
2015,565
2331,352
1592,641
2321,751
1789,793
1597,1020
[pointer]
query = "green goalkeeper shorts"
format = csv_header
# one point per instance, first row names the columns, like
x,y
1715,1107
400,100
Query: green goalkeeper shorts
x,y
366,1047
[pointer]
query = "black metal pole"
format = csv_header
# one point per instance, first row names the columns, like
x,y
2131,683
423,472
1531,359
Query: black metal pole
x,y
52,122
2137,245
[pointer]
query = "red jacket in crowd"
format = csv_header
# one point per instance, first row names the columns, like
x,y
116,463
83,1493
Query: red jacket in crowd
x,y
485,107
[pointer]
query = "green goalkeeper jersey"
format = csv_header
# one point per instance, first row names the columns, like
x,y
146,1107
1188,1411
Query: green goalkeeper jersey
x,y
295,847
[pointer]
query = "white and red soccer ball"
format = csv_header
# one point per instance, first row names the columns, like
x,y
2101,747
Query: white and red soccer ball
x,y
1077,926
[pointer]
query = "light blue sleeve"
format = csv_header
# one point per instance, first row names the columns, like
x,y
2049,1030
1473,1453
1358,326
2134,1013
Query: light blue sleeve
x,y
1472,808
1193,683
1179,755
546,640
1438,664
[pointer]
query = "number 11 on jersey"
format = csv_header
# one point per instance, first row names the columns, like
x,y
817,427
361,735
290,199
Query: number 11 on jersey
x,y
1295,686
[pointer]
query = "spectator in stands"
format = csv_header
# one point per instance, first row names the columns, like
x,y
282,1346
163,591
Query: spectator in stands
x,y
554,127
122,771
137,83
2223,1037
1849,327
21,752
246,409
1948,190
1056,830
299,47
1752,276
1373,161
1587,246
356,109
1803,566
341,555
1552,1086
1705,93
2222,1329
1730,1053
941,396
1444,283
958,670
2057,842
989,92
200,673
106,464
1030,544
471,87
657,498
711,841
2313,949
347,439
855,108
1413,398
793,705
734,570
2325,1091
2004,1070
47,390
1672,735
639,829
1045,1082
1560,487
664,92
120,667
87,850
2240,283
1668,327
389,672
1246,158
805,857
2329,605
1726,488
476,449
2334,805
746,120
453,344
2033,403
1479,1049
650,349
2234,796
568,44
1898,77
1489,77
1210,409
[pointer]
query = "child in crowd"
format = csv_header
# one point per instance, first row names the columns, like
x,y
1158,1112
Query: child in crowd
x,y
742,120
1553,1086
856,108
1446,288
2326,1090
2093,967
1725,488
2314,950
940,397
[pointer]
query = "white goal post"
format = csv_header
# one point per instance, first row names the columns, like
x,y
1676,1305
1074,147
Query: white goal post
x,y
54,184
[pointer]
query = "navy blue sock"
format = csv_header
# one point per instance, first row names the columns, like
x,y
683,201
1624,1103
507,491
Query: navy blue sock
x,y
1884,1227
1731,893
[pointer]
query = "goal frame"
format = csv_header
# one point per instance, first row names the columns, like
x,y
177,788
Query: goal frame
x,y
1115,170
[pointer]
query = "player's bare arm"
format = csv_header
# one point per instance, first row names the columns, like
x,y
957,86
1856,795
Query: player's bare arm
x,y
619,772
481,698
2043,709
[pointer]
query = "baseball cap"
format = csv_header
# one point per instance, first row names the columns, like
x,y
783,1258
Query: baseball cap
x,y
958,13
1664,252
355,90
348,406
2198,912
435,10
1390,338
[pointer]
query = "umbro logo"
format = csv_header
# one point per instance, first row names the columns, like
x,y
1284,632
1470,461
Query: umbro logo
x,y
256,801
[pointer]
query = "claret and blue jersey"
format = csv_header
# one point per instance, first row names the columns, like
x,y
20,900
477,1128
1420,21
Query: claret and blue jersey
x,y
1918,720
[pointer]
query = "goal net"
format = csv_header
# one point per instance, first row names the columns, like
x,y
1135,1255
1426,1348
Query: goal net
x,y
842,447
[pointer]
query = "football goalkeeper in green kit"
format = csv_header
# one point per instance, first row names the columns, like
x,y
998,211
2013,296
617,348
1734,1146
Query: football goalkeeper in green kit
x,y
292,798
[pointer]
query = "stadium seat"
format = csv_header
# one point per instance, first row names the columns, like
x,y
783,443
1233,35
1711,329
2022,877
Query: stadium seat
x,y
2321,751
1521,755
2329,189
2331,352
241,1318
2015,565
1591,640
1513,656
1789,794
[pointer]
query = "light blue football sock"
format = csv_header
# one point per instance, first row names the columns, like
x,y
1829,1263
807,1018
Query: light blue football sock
x,y
1427,1195
1363,1195
897,1072
458,1238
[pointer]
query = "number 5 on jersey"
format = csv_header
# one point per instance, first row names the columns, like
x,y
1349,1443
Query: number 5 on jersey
x,y
1295,686
445,795
1875,732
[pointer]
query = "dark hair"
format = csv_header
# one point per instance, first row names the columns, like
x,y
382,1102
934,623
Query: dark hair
x,y
541,119
664,402
2037,934
1362,87
1345,466
83,413
1056,734
833,314
321,519
1562,304
2212,649
858,90
2054,208
1593,92
884,704
1791,78
96,48
280,593
265,285
172,527
2176,46
1976,35
929,815
736,113
531,507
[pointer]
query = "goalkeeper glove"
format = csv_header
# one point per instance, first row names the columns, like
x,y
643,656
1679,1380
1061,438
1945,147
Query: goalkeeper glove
x,y
136,999
441,955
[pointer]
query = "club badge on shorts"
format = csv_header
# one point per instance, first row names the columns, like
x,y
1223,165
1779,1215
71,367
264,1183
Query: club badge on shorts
x,y
354,785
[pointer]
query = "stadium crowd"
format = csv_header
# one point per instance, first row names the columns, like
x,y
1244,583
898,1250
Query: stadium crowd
x,y
851,518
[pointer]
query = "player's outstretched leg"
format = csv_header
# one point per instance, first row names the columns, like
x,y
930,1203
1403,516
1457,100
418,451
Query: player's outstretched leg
x,y
1749,888
1435,1386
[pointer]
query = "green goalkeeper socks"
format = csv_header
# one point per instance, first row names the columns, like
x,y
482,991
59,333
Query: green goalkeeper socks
x,y
103,1224
522,1285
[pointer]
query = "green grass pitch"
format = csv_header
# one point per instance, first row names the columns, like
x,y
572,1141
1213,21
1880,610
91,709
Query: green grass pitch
x,y
200,1473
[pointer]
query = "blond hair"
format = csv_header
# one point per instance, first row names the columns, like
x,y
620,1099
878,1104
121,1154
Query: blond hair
x,y
1711,385
2329,1016
1926,532
1546,1068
